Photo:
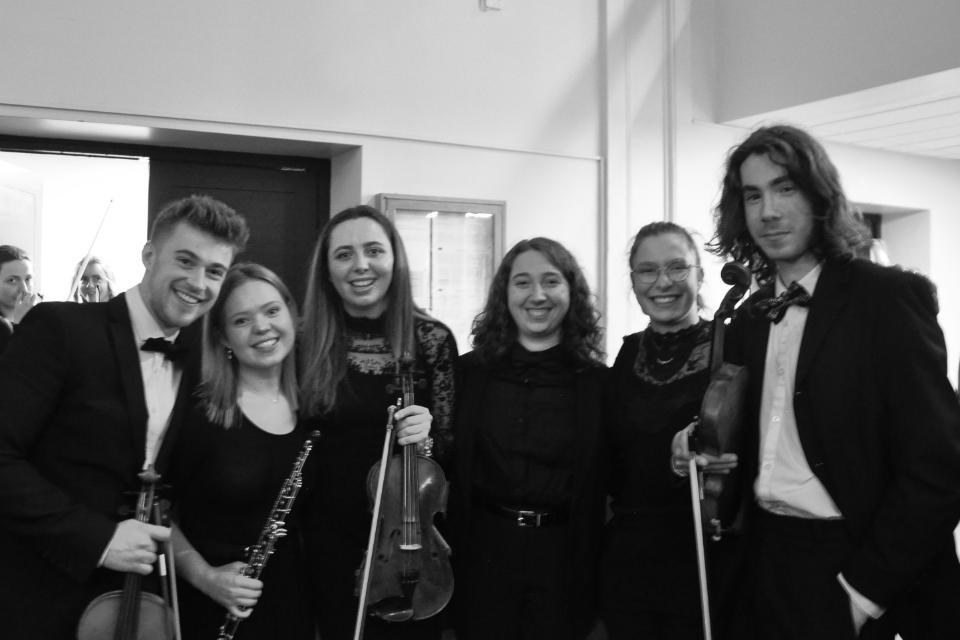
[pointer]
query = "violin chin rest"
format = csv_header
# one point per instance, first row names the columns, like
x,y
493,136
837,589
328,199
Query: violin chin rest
x,y
393,609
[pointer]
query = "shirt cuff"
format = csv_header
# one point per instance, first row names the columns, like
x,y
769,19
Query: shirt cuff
x,y
860,601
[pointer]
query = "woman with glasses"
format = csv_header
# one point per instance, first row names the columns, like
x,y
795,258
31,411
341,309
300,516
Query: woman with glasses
x,y
96,284
649,580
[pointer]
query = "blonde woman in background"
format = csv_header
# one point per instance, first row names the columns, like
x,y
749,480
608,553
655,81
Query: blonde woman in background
x,y
96,284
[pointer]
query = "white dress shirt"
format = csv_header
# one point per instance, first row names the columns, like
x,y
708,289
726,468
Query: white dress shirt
x,y
785,484
160,377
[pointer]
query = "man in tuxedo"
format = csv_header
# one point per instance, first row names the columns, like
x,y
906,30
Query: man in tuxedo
x,y
853,430
83,409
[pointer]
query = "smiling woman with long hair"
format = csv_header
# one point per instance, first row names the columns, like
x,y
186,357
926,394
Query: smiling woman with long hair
x,y
529,500
242,439
360,321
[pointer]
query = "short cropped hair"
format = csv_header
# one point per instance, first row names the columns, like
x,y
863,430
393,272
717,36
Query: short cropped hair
x,y
206,214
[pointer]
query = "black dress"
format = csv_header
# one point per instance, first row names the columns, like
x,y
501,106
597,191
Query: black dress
x,y
528,430
228,480
649,580
352,441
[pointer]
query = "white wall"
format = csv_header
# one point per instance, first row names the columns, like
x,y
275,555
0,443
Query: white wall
x,y
437,97
926,185
525,77
77,193
779,54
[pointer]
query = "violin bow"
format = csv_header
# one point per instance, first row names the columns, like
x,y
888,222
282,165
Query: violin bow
x,y
374,526
696,495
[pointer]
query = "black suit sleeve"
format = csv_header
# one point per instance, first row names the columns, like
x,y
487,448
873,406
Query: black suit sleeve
x,y
920,431
33,373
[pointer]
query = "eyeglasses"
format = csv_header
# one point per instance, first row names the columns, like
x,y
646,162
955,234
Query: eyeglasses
x,y
650,273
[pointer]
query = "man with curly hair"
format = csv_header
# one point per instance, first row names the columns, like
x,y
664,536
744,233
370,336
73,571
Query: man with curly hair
x,y
853,430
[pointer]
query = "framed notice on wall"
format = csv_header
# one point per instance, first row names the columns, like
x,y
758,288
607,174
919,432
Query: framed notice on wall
x,y
453,246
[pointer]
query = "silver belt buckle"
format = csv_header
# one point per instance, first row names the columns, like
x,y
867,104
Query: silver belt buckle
x,y
523,518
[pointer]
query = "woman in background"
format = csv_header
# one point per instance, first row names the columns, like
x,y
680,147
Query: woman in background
x,y
16,289
529,506
234,454
360,323
96,284
649,579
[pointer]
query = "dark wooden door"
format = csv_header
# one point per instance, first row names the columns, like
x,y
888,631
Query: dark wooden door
x,y
285,202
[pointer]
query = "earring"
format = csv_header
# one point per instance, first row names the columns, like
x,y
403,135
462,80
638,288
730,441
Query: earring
x,y
229,353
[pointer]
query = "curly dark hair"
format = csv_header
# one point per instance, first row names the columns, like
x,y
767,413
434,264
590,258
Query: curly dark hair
x,y
838,230
494,330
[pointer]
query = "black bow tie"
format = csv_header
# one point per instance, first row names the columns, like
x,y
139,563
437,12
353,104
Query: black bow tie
x,y
775,308
170,350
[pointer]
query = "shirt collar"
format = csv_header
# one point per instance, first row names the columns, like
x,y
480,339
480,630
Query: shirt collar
x,y
144,324
808,282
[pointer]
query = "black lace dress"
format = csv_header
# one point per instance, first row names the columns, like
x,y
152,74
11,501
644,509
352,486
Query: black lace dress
x,y
351,442
649,571
228,480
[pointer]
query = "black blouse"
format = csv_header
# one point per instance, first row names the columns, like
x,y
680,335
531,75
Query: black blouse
x,y
525,444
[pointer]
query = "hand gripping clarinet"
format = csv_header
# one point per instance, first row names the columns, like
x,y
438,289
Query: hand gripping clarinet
x,y
273,530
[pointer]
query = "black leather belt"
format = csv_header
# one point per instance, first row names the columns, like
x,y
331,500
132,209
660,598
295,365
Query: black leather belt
x,y
528,517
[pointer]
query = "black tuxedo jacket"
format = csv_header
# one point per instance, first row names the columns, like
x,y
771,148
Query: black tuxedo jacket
x,y
6,332
72,441
877,418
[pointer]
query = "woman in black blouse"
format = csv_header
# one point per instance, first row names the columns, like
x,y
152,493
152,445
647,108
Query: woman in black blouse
x,y
649,581
234,454
359,322
529,499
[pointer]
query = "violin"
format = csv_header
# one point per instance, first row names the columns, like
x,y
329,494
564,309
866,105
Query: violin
x,y
406,573
721,413
717,431
131,613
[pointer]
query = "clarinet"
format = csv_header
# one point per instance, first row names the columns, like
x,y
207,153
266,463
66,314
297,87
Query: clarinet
x,y
273,530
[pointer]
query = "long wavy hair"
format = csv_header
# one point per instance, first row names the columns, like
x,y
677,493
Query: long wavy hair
x,y
838,231
494,330
323,342
219,378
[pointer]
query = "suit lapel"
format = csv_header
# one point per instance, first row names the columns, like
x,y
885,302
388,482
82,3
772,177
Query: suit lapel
x,y
127,361
755,357
829,298
189,339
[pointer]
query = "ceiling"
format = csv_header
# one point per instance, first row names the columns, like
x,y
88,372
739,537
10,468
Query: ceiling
x,y
920,116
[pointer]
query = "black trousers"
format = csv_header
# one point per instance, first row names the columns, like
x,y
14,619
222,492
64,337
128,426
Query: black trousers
x,y
511,582
797,593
